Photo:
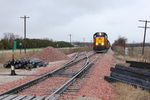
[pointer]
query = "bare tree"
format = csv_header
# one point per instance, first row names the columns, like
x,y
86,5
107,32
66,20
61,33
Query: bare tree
x,y
10,36
121,41
119,45
7,40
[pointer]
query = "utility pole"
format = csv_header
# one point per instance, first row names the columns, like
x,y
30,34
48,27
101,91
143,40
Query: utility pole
x,y
70,37
25,17
145,28
84,42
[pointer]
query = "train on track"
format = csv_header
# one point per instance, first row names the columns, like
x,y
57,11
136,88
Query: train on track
x,y
100,42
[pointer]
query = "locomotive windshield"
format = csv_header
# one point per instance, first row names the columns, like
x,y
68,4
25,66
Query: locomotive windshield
x,y
100,35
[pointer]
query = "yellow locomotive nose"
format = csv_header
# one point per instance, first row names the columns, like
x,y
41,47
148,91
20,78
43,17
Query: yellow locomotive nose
x,y
100,42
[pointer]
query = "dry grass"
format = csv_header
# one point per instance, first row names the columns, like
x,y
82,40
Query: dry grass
x,y
123,58
134,53
4,69
7,56
129,92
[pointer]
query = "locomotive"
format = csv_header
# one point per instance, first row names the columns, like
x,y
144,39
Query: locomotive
x,y
100,42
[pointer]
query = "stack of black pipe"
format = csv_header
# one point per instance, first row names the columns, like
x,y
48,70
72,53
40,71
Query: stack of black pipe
x,y
138,74
25,63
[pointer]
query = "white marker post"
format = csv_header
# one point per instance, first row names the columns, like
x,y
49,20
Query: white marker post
x,y
13,62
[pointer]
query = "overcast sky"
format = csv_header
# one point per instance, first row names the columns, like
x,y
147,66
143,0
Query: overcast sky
x,y
56,19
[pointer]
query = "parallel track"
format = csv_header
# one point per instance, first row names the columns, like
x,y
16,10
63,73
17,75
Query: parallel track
x,y
57,92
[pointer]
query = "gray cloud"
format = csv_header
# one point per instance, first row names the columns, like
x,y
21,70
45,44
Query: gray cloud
x,y
82,18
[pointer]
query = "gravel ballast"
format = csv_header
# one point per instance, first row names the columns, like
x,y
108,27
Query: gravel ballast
x,y
95,86
51,54
13,81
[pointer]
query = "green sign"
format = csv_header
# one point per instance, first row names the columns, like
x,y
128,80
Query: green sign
x,y
15,45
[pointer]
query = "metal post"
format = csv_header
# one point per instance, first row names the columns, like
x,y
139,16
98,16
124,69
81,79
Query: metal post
x,y
25,17
25,34
20,50
144,37
13,61
70,38
84,42
145,28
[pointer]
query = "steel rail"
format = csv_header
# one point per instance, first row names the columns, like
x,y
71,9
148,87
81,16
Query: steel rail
x,y
56,94
43,77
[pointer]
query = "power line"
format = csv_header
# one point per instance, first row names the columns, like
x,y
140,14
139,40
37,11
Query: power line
x,y
145,28
25,17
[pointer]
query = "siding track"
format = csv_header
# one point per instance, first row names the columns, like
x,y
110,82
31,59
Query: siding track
x,y
51,85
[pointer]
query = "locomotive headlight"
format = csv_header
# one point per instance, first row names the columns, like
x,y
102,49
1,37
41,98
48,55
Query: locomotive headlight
x,y
100,34
102,43
96,43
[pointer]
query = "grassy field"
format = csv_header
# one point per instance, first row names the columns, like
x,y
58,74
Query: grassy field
x,y
7,56
129,92
134,53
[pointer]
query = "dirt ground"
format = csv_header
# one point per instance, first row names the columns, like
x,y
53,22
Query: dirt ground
x,y
3,69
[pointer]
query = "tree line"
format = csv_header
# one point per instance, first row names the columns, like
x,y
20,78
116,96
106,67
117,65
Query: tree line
x,y
122,42
7,42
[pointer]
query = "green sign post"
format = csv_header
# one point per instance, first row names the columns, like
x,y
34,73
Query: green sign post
x,y
15,45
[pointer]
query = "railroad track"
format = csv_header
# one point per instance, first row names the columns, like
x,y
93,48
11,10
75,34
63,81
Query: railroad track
x,y
50,85
72,92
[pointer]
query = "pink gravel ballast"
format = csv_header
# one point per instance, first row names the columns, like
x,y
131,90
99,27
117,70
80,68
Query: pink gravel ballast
x,y
41,70
51,54
95,85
